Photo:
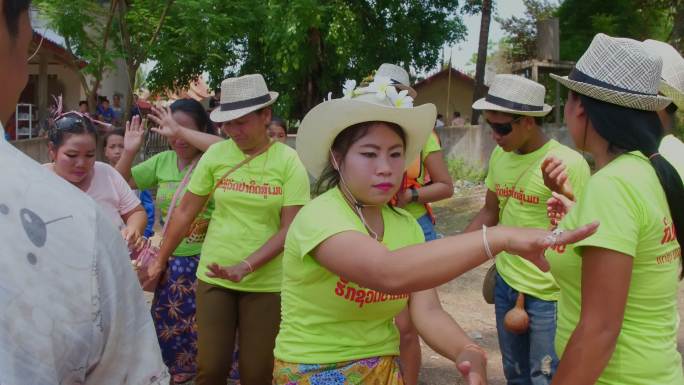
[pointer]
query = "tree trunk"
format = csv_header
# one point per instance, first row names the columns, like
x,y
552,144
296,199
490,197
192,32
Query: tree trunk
x,y
132,71
312,92
481,56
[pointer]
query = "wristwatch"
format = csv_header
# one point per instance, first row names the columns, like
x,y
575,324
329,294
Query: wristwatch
x,y
414,194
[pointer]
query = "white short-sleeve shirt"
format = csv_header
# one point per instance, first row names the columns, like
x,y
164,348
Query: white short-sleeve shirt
x,y
71,308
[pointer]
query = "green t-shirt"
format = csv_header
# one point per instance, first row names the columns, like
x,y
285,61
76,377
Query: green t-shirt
x,y
161,172
527,207
432,145
325,318
672,149
628,200
247,208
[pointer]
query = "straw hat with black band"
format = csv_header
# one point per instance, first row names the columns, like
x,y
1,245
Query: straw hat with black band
x,y
672,77
516,95
619,71
242,95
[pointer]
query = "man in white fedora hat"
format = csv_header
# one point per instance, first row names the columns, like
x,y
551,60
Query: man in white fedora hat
x,y
516,196
672,86
427,180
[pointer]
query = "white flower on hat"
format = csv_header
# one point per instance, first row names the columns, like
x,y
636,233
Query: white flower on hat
x,y
348,88
399,99
379,85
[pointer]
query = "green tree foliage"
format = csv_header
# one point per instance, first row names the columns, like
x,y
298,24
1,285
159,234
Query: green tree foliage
x,y
86,26
100,32
306,48
202,36
580,20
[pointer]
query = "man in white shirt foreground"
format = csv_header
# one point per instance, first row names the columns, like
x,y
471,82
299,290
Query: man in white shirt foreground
x,y
71,309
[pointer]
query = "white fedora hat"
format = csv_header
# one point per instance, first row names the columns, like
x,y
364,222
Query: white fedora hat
x,y
242,95
399,76
672,78
515,95
618,71
380,101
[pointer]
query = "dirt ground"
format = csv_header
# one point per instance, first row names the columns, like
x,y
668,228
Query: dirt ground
x,y
462,298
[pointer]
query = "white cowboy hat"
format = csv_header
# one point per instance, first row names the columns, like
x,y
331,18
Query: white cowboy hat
x,y
242,95
618,71
399,76
324,122
515,95
672,77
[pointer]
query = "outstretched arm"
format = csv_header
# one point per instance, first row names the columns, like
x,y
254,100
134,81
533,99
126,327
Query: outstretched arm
x,y
369,263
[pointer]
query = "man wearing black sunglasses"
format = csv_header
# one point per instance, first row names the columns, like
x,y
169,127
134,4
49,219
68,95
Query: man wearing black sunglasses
x,y
72,308
514,109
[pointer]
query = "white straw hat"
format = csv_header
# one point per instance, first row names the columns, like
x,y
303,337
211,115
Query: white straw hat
x,y
399,76
378,102
242,95
515,95
618,71
672,77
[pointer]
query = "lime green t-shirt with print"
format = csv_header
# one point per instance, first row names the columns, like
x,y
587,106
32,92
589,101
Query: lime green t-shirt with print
x,y
628,200
432,145
247,208
161,172
326,318
517,181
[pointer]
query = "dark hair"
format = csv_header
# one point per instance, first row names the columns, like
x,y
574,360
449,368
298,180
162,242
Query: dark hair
x,y
627,129
538,120
439,116
457,114
671,111
12,10
330,177
71,123
82,102
116,131
196,111
278,121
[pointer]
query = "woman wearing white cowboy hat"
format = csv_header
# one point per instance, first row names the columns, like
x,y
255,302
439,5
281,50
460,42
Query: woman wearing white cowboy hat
x,y
516,196
672,86
258,186
351,258
427,180
617,312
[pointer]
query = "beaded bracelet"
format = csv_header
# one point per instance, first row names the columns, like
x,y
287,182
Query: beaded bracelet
x,y
488,251
249,265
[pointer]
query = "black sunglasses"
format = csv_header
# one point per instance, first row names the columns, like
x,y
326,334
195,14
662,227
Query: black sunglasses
x,y
69,121
503,129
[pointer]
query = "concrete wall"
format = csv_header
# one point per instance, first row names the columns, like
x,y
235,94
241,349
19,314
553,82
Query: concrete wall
x,y
475,145
34,148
